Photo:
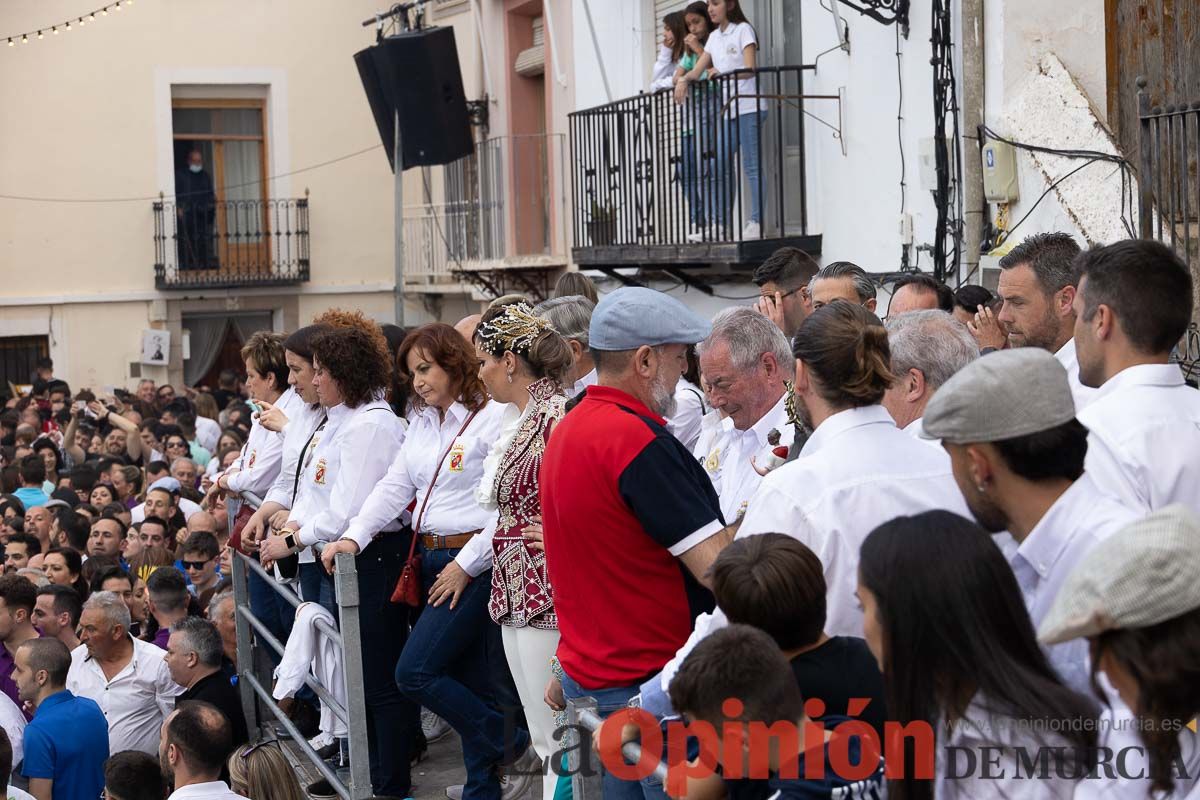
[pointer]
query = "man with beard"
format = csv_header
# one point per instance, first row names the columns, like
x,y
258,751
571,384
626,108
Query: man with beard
x,y
1038,282
194,744
632,523
1017,452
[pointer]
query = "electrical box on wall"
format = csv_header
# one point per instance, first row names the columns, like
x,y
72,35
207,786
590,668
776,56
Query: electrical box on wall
x,y
927,162
1000,172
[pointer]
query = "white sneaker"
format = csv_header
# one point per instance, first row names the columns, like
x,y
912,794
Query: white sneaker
x,y
454,792
752,231
696,237
517,777
433,726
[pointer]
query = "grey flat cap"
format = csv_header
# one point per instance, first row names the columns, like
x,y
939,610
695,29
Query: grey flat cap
x,y
1001,396
634,316
1142,575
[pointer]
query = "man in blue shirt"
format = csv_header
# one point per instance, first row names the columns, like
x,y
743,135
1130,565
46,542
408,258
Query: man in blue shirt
x,y
33,475
66,743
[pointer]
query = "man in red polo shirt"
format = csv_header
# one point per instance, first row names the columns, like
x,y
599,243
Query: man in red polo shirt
x,y
631,521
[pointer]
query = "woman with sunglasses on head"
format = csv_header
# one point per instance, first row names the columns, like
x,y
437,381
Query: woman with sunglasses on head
x,y
262,772
349,456
453,663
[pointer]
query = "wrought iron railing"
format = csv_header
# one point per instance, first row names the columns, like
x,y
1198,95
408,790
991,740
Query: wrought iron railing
x,y
648,170
230,243
495,207
1170,174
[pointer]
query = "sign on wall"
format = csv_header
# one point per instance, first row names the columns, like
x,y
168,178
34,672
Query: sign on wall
x,y
156,347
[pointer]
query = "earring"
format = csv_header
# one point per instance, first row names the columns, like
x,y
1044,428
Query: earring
x,y
510,377
981,488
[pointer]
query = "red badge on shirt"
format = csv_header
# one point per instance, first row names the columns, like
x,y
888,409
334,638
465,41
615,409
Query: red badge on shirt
x,y
319,475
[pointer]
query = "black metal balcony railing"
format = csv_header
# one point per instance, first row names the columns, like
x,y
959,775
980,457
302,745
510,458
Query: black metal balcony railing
x,y
230,243
649,171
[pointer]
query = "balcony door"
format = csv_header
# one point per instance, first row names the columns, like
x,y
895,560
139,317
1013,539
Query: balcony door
x,y
223,223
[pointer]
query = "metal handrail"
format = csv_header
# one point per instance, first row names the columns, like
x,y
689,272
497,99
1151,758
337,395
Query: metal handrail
x,y
251,630
582,713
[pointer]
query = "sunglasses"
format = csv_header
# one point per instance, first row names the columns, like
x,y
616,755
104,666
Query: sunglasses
x,y
250,748
195,564
176,444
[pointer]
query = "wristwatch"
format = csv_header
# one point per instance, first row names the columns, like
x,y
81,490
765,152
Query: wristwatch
x,y
289,539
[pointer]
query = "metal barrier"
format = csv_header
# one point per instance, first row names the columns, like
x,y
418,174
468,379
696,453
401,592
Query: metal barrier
x,y
581,713
251,631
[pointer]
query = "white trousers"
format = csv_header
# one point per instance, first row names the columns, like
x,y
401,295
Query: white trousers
x,y
528,651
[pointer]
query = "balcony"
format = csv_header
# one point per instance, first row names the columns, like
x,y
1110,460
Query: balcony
x,y
230,244
494,221
661,185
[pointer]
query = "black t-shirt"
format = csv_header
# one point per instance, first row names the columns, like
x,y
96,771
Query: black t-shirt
x,y
838,671
217,690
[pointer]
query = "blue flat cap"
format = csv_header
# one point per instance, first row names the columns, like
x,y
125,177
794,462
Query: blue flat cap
x,y
170,484
634,316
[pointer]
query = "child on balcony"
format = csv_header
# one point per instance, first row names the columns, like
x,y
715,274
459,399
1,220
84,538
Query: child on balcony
x,y
697,119
669,52
733,46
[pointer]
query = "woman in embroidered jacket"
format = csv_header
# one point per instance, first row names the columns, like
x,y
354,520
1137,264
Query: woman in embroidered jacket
x,y
522,361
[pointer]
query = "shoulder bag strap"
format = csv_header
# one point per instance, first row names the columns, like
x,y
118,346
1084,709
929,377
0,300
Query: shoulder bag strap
x,y
436,472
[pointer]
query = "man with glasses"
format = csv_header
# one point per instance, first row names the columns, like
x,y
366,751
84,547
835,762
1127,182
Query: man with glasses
x,y
166,393
66,743
199,563
783,281
194,654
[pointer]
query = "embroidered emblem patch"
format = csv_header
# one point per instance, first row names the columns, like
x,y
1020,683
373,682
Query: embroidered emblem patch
x,y
253,455
319,475
456,458
713,462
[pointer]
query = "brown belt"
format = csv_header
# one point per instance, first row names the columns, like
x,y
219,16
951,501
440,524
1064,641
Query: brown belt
x,y
432,541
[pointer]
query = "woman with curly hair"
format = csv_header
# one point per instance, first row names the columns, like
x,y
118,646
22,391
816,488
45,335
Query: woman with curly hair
x,y
445,666
347,458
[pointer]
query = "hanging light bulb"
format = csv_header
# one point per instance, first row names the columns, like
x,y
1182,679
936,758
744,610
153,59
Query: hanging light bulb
x,y
92,17
54,30
41,35
24,39
81,22
104,11
68,25
118,5
10,41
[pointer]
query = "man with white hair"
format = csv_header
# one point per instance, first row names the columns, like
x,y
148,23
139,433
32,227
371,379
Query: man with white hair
x,y
183,469
126,677
746,361
570,317
928,347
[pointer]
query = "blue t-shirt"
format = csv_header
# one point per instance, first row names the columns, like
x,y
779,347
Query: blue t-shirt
x,y
31,497
832,786
67,741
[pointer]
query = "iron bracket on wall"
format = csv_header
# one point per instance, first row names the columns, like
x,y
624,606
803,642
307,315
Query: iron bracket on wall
x,y
883,11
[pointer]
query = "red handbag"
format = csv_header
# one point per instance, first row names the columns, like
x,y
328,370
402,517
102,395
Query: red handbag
x,y
408,586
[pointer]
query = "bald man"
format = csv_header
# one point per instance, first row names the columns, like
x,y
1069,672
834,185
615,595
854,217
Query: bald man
x,y
466,326
202,521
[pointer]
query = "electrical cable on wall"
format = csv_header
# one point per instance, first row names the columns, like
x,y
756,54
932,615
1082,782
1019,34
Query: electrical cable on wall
x,y
904,246
947,197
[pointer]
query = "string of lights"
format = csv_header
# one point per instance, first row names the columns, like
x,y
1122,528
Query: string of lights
x,y
65,27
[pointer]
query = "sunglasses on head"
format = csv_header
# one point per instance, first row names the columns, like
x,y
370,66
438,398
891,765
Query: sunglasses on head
x,y
195,564
250,748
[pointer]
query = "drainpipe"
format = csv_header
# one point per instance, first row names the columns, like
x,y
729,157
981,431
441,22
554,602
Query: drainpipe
x,y
974,210
587,10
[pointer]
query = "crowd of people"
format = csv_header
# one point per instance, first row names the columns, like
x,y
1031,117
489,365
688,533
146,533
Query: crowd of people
x,y
978,517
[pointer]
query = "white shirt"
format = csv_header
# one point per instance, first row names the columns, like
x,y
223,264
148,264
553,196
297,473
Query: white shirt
x,y
341,468
727,460
728,50
13,723
208,433
452,506
1144,442
1082,395
856,471
1081,518
584,382
1007,775
262,456
135,702
664,70
690,409
138,513
296,435
213,790
18,794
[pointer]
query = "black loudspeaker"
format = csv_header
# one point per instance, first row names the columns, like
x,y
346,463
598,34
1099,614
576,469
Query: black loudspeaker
x,y
417,74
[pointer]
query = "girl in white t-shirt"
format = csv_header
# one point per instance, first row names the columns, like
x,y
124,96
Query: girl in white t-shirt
x,y
733,46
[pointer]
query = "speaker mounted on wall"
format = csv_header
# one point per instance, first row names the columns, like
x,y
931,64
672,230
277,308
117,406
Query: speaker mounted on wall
x,y
417,74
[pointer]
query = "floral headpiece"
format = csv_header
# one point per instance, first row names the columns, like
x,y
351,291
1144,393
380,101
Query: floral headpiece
x,y
514,329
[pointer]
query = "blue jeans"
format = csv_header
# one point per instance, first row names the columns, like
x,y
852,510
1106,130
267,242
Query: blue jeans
x,y
272,610
310,582
742,135
609,701
454,665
